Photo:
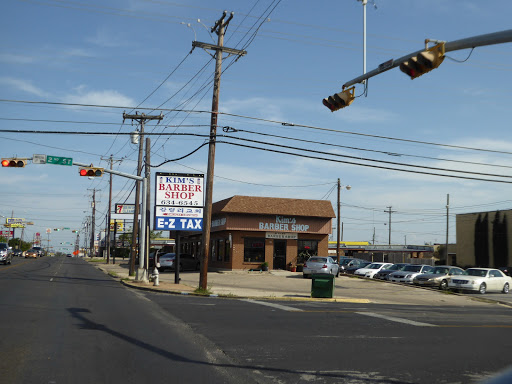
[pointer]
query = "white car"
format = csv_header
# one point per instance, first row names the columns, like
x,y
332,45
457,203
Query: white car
x,y
372,269
481,280
409,272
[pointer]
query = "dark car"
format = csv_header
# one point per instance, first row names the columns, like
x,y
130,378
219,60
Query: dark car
x,y
187,262
348,262
361,264
17,252
506,270
383,274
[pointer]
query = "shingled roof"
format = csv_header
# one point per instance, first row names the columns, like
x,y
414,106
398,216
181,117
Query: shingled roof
x,y
274,206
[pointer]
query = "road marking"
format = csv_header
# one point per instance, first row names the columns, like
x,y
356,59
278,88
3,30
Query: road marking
x,y
397,319
273,305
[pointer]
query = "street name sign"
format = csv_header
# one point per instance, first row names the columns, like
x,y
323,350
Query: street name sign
x,y
59,160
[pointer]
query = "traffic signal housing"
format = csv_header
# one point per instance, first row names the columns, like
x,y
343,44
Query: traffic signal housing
x,y
424,62
340,100
14,162
91,172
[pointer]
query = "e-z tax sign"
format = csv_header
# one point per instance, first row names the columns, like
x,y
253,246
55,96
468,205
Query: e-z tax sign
x,y
179,201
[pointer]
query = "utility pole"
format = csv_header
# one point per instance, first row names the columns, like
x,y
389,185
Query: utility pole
x,y
93,221
148,200
219,28
142,118
447,222
390,212
338,220
109,213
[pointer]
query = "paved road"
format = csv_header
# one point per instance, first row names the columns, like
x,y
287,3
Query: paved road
x,y
63,321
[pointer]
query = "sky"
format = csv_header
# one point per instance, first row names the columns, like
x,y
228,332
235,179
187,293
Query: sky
x,y
74,67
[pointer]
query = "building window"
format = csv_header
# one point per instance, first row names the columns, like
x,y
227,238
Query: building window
x,y
220,249
306,249
227,252
254,249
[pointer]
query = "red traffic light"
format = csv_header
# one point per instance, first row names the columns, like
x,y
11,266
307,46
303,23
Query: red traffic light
x,y
18,163
91,172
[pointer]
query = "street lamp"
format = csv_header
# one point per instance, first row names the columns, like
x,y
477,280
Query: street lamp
x,y
347,187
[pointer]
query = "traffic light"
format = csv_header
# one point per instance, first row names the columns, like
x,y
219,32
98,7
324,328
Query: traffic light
x,y
340,100
424,62
91,172
14,162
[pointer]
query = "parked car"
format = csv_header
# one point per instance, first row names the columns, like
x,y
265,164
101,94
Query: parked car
x,y
351,270
383,274
438,277
187,262
5,253
371,269
320,264
31,253
348,262
407,274
481,280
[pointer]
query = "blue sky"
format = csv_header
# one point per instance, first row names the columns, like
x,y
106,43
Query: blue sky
x,y
117,53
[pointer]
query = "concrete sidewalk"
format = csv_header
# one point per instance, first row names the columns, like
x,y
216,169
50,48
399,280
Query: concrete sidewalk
x,y
286,285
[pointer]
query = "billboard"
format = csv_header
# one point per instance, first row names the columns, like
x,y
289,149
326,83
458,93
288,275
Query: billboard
x,y
179,201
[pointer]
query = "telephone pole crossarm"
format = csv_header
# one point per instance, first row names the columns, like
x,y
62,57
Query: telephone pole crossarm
x,y
214,47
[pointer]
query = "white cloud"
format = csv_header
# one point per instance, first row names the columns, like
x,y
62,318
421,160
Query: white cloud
x,y
11,58
357,114
105,97
107,39
23,85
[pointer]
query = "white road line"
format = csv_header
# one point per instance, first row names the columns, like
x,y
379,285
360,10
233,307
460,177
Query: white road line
x,y
397,319
273,305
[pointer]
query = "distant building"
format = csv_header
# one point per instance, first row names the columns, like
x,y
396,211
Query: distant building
x,y
484,239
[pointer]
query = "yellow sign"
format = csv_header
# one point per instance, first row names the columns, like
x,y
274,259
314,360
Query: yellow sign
x,y
120,225
16,225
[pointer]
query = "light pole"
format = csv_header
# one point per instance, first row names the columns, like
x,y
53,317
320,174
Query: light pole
x,y
338,226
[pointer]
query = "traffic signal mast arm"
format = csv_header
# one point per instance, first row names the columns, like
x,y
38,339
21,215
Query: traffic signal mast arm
x,y
470,42
128,175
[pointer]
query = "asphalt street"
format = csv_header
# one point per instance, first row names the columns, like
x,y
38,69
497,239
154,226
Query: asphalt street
x,y
67,320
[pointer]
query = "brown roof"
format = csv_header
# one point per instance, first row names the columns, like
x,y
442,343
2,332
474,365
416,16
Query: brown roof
x,y
274,206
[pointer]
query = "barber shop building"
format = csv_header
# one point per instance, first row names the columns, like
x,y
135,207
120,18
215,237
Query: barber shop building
x,y
247,231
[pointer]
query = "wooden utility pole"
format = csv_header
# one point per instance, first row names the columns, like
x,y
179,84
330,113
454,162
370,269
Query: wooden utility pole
x,y
447,224
93,220
141,119
338,222
219,28
389,229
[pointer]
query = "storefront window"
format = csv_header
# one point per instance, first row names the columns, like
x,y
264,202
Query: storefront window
x,y
220,249
254,249
227,253
306,249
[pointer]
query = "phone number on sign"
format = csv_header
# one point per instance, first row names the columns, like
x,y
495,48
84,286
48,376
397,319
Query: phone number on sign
x,y
180,203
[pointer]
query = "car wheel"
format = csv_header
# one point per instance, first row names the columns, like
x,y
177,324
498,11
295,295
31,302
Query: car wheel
x,y
506,288
482,289
444,285
338,273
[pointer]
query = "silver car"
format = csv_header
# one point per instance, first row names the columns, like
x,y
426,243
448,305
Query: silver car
x,y
5,253
320,264
407,274
438,277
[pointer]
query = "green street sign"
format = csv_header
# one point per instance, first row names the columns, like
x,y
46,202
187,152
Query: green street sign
x,y
59,160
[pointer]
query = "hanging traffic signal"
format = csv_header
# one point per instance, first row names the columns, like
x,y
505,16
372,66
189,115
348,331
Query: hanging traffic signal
x,y
424,62
340,100
14,162
91,172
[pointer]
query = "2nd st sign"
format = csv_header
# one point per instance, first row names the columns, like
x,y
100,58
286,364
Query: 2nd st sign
x,y
59,160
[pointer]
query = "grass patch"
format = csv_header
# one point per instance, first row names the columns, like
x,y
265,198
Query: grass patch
x,y
113,274
201,291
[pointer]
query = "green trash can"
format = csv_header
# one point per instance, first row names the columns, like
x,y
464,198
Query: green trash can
x,y
322,285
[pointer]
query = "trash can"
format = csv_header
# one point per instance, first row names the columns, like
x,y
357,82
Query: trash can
x,y
322,285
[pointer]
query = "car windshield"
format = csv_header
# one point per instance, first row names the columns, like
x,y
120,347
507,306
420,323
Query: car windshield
x,y
476,272
374,266
317,260
3,246
412,268
168,256
440,270
345,261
